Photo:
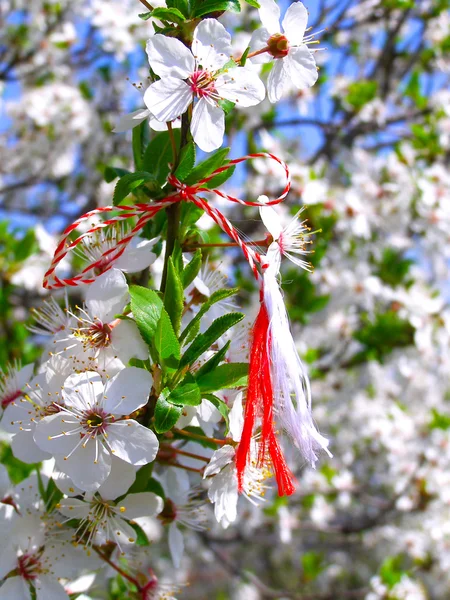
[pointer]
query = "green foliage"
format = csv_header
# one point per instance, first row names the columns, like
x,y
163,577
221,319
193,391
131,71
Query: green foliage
x,y
227,376
188,392
391,571
381,336
181,5
131,182
166,413
393,268
205,168
221,406
202,8
139,141
313,565
173,296
17,470
187,161
146,307
159,155
302,297
214,361
166,342
439,420
192,269
213,299
205,340
172,15
361,92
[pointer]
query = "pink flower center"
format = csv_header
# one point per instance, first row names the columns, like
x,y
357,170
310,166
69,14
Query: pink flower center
x,y
29,567
202,84
278,45
9,398
97,335
95,422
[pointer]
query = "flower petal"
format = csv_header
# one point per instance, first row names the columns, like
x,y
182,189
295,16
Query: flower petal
x,y
143,504
49,589
294,23
15,587
82,390
108,295
53,434
169,57
236,418
127,391
269,13
127,342
271,220
132,442
129,121
278,78
302,67
258,41
25,449
168,98
207,125
221,457
211,45
88,466
223,493
119,481
138,254
74,508
176,545
242,86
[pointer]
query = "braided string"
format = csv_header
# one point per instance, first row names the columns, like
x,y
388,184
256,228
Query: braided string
x,y
146,212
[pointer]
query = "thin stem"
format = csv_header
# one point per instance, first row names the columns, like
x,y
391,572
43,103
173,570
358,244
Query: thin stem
x,y
172,142
191,469
117,568
146,4
184,453
204,438
255,53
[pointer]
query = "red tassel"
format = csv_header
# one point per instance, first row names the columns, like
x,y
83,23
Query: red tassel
x,y
260,404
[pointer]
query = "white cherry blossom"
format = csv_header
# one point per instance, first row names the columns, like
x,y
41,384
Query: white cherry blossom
x,y
91,426
294,62
13,383
199,74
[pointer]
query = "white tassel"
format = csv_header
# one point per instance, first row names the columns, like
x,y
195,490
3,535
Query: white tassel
x,y
288,373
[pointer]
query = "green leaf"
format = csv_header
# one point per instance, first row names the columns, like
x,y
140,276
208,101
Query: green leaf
x,y
227,376
220,178
146,307
158,155
139,140
187,161
174,297
191,270
145,16
187,392
361,92
142,478
206,7
213,362
226,105
439,420
111,173
221,407
141,536
181,5
130,182
154,486
253,3
204,340
391,571
173,15
244,56
393,267
205,168
166,413
217,296
383,334
25,246
166,343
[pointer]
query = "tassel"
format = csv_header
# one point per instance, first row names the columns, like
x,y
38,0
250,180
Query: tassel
x,y
260,405
288,374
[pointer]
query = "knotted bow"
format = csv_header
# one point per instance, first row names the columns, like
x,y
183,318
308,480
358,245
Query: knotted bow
x,y
146,212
